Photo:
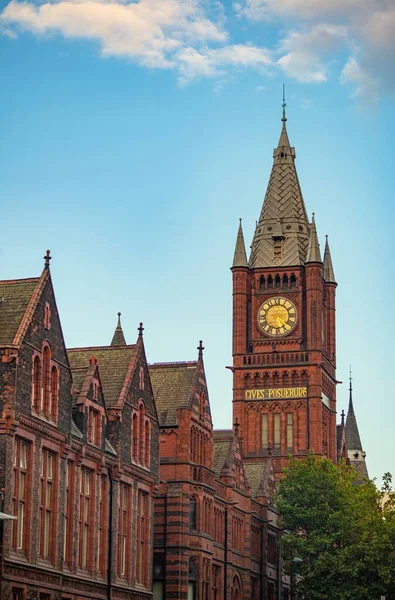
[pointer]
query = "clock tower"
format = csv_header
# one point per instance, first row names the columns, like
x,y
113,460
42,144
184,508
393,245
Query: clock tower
x,y
284,332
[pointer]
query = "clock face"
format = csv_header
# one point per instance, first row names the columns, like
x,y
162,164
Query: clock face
x,y
277,316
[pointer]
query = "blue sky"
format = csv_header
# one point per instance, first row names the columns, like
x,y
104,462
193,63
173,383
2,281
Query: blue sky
x,y
133,135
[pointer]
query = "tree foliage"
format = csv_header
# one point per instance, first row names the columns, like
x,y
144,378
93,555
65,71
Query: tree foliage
x,y
343,531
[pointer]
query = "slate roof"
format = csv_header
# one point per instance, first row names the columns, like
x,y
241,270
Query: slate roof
x,y
222,447
283,213
15,297
256,476
172,384
113,362
353,441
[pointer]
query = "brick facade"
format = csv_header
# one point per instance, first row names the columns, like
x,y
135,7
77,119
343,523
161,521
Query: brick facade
x,y
83,501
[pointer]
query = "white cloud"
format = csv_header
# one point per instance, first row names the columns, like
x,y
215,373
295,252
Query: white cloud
x,y
263,10
148,30
305,53
365,85
211,62
185,35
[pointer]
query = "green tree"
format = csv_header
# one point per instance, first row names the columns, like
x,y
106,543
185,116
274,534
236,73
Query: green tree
x,y
343,531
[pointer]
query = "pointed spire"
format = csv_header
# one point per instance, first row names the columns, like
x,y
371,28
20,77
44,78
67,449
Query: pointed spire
x,y
118,338
283,142
329,274
313,251
47,258
140,329
353,440
283,208
240,257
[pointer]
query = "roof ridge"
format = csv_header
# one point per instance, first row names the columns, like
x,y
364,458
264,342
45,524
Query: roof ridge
x,y
100,348
174,364
14,281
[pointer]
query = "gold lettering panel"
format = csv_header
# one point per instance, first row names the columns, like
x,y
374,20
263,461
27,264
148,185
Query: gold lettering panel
x,y
273,393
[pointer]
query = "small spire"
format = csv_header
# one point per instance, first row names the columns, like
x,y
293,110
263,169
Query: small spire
x,y
240,256
352,433
343,414
140,329
200,348
93,360
118,338
329,274
313,252
284,104
47,258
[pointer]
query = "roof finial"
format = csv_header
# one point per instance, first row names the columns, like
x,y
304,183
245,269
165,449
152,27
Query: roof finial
x,y
119,320
47,258
140,329
236,426
343,414
350,380
200,348
284,104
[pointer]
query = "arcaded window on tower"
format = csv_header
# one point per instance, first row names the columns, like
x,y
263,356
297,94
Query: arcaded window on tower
x,y
292,281
270,282
277,430
265,432
285,281
277,281
262,282
193,514
290,431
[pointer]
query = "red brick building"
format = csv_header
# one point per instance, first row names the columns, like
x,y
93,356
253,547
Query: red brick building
x,y
79,457
215,529
284,331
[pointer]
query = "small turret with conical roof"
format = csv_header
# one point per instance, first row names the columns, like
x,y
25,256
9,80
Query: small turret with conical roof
x,y
355,453
118,338
313,251
240,257
329,273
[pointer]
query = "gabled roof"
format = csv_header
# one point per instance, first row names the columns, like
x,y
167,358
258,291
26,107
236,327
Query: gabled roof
x,y
283,216
172,385
257,477
17,296
114,363
222,449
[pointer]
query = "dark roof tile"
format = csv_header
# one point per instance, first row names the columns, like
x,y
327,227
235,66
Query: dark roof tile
x,y
15,297
172,384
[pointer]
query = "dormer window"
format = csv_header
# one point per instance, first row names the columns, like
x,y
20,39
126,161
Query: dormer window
x,y
95,390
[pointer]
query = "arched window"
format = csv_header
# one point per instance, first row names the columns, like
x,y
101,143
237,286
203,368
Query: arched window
x,y
294,378
270,282
262,282
147,443
277,281
54,392
304,378
285,281
141,432
46,400
285,379
135,437
193,514
266,380
37,384
276,379
293,281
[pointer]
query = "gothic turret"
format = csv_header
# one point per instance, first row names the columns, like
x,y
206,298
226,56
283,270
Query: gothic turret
x,y
240,257
313,251
282,233
355,453
329,274
118,338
